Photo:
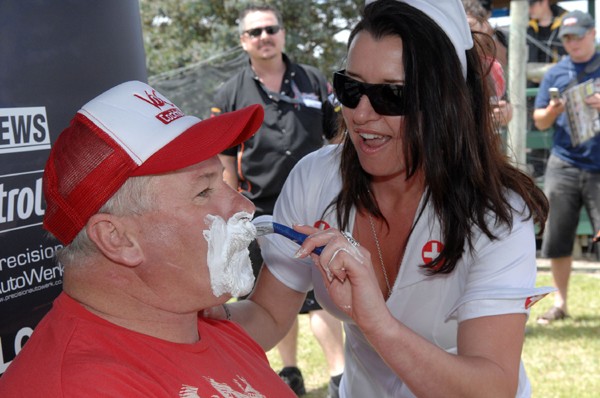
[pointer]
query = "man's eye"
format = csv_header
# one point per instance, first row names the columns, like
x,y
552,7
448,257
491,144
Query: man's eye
x,y
205,193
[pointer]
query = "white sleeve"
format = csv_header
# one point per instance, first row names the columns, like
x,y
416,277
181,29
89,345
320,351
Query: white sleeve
x,y
502,275
308,190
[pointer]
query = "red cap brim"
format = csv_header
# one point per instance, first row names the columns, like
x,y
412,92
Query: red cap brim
x,y
204,140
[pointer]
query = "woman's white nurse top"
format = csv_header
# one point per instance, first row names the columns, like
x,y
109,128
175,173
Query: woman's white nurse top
x,y
497,278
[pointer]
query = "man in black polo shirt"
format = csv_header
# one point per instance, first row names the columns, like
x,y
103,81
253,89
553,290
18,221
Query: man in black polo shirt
x,y
299,119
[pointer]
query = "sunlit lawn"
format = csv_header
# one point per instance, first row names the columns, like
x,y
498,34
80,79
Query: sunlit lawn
x,y
562,359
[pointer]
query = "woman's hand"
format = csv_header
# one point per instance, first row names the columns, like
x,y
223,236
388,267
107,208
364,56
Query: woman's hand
x,y
502,113
348,274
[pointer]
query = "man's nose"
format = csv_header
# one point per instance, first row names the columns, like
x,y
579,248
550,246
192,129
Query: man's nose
x,y
240,203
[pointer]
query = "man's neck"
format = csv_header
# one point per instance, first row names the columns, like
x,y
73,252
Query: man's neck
x,y
269,71
583,59
133,312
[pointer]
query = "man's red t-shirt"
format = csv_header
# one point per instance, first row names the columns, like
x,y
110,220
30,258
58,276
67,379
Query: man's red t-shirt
x,y
74,353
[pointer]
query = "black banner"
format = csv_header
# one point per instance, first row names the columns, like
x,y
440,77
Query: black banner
x,y
55,56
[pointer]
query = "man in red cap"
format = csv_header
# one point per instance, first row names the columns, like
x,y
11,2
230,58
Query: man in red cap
x,y
152,236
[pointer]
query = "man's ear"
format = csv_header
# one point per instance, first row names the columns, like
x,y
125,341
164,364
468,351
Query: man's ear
x,y
114,239
243,42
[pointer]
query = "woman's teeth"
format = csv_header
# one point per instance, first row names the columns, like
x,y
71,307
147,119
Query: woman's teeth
x,y
370,136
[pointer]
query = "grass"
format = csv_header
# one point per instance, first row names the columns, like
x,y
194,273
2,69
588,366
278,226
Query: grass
x,y
311,361
561,359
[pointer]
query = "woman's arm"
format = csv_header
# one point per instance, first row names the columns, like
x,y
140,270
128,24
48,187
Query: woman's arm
x,y
489,348
269,312
487,364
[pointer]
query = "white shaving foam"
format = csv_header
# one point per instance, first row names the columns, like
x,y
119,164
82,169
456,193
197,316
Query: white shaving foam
x,y
228,257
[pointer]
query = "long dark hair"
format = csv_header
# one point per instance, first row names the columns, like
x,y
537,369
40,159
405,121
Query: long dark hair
x,y
449,135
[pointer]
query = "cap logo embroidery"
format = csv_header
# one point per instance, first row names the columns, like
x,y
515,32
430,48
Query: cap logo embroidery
x,y
570,21
166,116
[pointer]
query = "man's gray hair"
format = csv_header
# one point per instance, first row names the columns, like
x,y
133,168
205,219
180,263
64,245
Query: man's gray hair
x,y
254,8
136,196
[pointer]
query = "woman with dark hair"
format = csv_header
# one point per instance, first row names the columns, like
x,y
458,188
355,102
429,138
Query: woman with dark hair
x,y
428,230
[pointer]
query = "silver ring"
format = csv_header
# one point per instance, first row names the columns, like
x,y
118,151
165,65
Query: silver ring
x,y
350,239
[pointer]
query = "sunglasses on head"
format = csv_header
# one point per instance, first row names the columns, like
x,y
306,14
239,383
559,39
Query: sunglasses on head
x,y
256,32
386,99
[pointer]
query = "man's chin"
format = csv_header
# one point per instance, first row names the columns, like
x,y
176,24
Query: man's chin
x,y
267,55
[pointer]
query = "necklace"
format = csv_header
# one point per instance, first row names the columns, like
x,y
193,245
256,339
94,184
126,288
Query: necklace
x,y
385,276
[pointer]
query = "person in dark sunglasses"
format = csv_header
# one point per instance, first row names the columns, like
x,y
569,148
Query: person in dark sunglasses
x,y
298,115
427,231
257,32
386,99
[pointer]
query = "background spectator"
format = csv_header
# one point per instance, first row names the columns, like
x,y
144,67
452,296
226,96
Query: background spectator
x,y
572,177
298,119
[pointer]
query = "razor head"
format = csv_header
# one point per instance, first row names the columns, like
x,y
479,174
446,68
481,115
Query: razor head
x,y
263,224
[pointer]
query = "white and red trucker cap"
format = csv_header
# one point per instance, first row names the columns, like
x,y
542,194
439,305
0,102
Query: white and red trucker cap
x,y
129,130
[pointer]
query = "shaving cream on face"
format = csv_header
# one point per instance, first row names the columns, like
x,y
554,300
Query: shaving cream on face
x,y
228,256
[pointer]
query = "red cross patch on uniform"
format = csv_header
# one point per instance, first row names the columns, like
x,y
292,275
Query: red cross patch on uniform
x,y
322,225
431,250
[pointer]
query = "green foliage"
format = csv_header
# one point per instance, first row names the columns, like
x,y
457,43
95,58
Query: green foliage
x,y
199,30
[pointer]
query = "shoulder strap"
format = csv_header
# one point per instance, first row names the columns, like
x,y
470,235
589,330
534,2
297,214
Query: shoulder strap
x,y
589,68
317,79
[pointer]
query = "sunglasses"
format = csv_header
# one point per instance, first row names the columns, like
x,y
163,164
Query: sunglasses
x,y
386,99
256,32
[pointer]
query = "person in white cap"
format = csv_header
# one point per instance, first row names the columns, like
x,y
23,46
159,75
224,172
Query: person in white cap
x,y
430,255
152,236
572,175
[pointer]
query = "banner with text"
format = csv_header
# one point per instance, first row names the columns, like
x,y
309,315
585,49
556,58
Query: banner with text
x,y
55,57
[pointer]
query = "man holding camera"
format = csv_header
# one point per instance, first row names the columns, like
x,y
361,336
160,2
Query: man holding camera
x,y
572,177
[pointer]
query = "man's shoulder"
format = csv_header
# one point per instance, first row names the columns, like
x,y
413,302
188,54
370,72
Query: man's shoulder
x,y
236,80
557,11
224,99
317,79
558,72
564,65
39,365
310,69
313,72
593,66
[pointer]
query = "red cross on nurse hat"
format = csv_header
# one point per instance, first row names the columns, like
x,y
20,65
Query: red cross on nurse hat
x,y
129,130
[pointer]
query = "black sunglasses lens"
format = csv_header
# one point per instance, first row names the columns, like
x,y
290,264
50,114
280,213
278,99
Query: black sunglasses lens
x,y
271,30
386,99
254,32
348,91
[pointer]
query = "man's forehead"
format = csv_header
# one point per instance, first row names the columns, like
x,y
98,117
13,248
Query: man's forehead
x,y
207,166
257,17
